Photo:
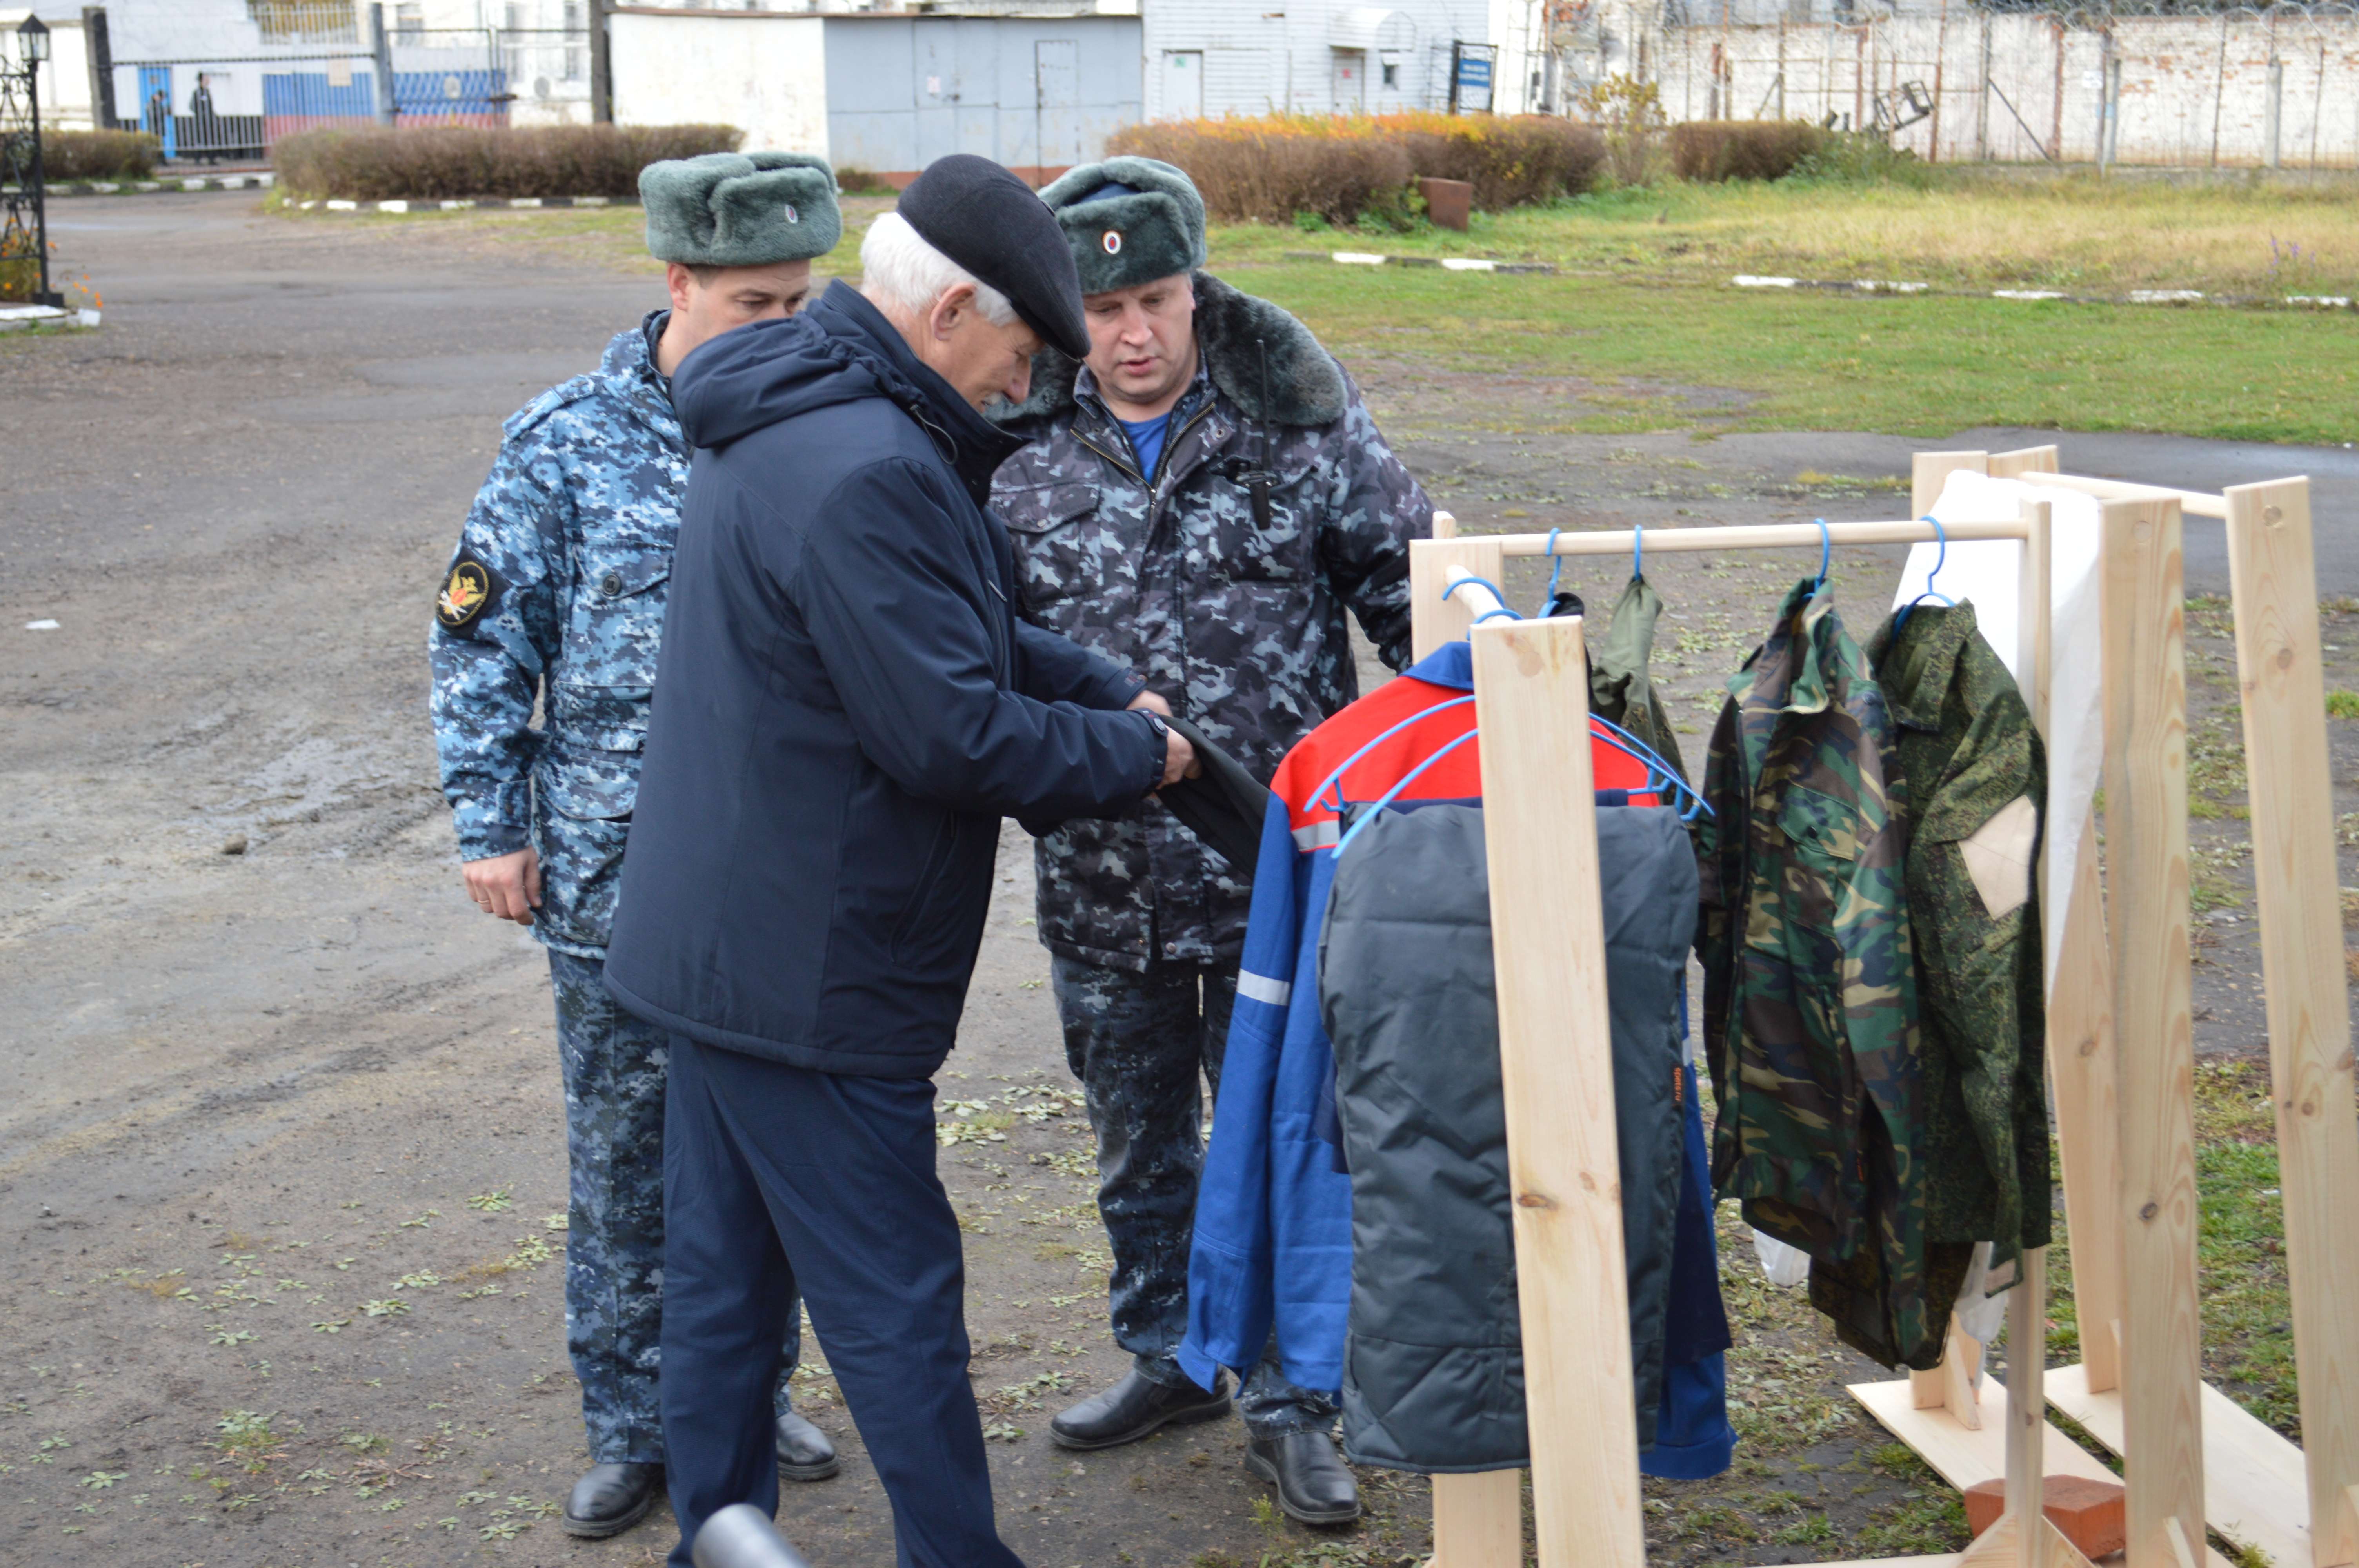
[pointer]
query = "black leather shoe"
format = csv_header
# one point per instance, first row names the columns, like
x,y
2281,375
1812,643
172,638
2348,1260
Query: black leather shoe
x,y
1312,1481
804,1451
611,1498
1133,1408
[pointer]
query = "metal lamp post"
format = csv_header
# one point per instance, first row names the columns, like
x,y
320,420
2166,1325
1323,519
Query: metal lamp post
x,y
22,157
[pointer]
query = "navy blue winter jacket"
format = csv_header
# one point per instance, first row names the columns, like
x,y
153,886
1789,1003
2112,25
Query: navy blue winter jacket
x,y
846,707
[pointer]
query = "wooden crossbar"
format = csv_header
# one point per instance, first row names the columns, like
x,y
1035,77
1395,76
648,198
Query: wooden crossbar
x,y
1768,537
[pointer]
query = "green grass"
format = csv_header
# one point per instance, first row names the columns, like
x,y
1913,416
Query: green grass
x,y
1655,338
1965,230
1657,358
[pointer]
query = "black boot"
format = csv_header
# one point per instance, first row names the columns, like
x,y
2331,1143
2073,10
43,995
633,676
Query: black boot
x,y
611,1498
804,1451
1314,1484
1133,1408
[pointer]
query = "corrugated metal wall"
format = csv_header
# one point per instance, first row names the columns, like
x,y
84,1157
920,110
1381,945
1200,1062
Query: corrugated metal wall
x,y
1247,57
1037,94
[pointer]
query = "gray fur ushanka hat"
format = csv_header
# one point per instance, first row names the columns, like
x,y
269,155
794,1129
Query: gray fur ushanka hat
x,y
1153,230
740,209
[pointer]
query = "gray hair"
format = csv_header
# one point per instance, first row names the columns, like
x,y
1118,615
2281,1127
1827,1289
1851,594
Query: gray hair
x,y
900,269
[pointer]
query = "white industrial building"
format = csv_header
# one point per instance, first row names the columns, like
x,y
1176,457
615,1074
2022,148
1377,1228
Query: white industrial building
x,y
886,92
1318,56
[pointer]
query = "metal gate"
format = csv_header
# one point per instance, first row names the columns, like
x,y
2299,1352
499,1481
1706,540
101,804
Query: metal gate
x,y
235,109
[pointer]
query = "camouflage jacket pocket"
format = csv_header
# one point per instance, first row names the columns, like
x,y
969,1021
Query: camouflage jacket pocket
x,y
1280,551
1822,840
1058,547
585,718
615,624
588,783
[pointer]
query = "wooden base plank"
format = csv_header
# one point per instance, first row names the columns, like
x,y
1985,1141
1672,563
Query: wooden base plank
x,y
1965,1458
2256,1491
1478,1520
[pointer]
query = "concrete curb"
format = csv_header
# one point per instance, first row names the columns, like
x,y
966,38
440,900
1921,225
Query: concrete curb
x,y
401,205
2134,296
14,317
1447,263
262,181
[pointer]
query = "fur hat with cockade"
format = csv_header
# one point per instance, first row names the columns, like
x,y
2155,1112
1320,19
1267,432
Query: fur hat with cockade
x,y
1129,221
752,209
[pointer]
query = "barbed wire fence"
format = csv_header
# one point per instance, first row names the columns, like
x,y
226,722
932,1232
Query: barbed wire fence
x,y
2161,83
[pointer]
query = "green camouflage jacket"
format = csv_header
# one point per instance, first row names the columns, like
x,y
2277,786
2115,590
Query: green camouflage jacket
x,y
1977,776
1620,691
1809,986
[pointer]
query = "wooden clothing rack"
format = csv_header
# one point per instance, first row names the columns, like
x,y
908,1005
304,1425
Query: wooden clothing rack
x,y
2121,1034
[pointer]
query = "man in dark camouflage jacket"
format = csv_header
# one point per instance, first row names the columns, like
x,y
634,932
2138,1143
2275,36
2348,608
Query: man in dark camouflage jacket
x,y
1200,501
556,591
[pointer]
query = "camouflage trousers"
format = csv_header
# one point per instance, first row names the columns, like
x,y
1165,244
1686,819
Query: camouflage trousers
x,y
1143,1047
614,1071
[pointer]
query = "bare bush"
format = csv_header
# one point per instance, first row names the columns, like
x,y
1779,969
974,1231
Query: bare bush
x,y
99,155
1713,150
429,162
1344,168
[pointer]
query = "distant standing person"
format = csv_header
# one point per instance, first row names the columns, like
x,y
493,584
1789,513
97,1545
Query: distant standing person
x,y
558,591
203,122
1203,499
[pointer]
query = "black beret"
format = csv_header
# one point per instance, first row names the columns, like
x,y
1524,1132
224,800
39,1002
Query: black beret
x,y
991,223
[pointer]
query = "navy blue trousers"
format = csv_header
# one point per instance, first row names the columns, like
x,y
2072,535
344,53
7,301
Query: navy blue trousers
x,y
775,1179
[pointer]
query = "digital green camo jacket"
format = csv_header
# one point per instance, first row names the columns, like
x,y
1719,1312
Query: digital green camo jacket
x,y
1977,775
1810,982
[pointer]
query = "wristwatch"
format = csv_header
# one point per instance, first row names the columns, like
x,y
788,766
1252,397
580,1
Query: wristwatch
x,y
1163,732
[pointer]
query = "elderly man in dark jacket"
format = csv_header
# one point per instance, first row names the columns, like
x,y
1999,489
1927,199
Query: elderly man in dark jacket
x,y
847,706
1200,500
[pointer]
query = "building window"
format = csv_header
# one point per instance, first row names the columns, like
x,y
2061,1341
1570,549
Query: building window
x,y
572,63
409,24
305,21
1392,73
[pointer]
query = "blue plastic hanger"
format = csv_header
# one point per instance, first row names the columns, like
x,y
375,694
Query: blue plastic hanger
x,y
1405,779
1639,553
1334,781
1941,555
1556,570
1826,554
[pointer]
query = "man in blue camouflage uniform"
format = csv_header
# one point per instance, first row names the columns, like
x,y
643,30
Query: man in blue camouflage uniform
x,y
558,591
1200,502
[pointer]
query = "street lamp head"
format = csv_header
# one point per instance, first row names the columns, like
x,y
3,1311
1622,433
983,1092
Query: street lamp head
x,y
33,40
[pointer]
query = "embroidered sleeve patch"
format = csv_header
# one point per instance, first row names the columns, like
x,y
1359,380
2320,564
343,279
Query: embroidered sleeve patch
x,y
469,592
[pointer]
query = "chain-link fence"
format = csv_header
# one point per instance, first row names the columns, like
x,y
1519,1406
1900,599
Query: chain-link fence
x,y
2166,84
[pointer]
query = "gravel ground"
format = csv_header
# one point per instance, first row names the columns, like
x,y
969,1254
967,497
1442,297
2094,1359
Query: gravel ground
x,y
281,1139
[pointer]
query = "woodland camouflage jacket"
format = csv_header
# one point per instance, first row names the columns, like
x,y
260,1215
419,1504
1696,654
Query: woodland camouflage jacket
x,y
1809,1004
1239,625
558,583
1977,775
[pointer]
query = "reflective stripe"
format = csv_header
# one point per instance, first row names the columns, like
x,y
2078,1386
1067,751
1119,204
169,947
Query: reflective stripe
x,y
1261,988
1317,836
